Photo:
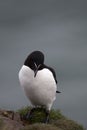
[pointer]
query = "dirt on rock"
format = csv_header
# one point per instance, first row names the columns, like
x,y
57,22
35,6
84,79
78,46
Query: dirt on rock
x,y
10,120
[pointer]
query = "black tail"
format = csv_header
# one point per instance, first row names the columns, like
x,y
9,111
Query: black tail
x,y
58,91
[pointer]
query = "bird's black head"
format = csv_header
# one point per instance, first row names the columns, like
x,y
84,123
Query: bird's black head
x,y
35,60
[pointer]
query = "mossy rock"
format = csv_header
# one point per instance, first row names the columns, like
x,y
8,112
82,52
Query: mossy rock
x,y
39,115
39,126
67,124
57,121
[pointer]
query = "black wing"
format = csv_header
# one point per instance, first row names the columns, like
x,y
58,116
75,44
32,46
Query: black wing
x,y
53,72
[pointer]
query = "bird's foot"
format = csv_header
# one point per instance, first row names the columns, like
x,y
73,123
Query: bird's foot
x,y
46,120
28,115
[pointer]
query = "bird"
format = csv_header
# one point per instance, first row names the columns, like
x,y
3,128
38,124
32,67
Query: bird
x,y
38,82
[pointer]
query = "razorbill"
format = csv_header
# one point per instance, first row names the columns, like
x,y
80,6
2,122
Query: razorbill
x,y
39,82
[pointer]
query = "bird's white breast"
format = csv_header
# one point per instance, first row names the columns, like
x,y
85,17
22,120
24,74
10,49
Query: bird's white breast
x,y
40,90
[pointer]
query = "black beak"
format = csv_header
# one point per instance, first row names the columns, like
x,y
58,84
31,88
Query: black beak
x,y
36,69
35,72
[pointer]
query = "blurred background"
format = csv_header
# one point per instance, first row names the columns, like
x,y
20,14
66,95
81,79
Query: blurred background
x,y
58,28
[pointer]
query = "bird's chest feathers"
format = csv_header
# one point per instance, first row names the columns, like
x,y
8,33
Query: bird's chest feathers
x,y
43,78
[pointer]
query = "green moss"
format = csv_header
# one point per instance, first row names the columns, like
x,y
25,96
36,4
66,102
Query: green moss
x,y
56,115
39,114
23,111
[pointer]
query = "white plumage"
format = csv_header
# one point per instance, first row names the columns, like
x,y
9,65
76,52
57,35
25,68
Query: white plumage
x,y
40,90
